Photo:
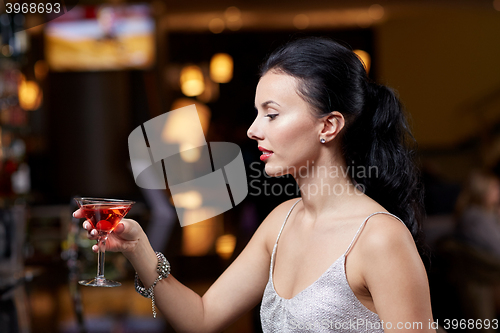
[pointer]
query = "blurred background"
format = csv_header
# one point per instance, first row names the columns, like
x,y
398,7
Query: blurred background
x,y
73,87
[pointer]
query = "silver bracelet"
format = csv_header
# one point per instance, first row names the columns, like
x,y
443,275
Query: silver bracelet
x,y
163,270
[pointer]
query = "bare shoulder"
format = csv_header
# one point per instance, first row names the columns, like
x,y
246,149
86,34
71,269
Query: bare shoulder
x,y
391,271
384,232
285,206
387,244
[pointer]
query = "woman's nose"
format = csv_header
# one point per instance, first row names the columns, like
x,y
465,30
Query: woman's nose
x,y
253,131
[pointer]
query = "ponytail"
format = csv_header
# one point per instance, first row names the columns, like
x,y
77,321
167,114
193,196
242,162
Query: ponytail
x,y
376,137
379,140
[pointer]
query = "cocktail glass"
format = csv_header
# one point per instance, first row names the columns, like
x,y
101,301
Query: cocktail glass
x,y
104,215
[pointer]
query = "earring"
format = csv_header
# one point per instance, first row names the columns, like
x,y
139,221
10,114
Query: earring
x,y
322,140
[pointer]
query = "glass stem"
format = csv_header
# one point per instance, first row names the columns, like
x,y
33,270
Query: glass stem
x,y
100,259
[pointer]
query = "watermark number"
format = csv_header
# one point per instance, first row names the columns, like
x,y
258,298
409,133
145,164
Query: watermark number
x,y
32,8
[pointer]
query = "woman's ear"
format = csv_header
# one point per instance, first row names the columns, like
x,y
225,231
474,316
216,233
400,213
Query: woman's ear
x,y
333,123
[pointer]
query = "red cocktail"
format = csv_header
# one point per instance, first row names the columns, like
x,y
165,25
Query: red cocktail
x,y
104,215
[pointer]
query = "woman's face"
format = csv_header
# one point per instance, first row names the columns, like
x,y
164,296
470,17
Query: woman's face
x,y
285,129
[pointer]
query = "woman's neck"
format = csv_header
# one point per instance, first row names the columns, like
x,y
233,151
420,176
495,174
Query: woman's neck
x,y
325,187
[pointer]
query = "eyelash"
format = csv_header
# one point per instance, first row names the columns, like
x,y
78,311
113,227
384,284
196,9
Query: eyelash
x,y
272,116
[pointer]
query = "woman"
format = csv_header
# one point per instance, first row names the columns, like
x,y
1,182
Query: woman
x,y
334,265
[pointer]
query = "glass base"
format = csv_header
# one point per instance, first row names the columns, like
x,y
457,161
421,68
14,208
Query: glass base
x,y
99,282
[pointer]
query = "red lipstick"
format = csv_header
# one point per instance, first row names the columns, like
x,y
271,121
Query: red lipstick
x,y
266,153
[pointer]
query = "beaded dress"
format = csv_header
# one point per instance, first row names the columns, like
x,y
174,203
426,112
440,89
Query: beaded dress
x,y
327,305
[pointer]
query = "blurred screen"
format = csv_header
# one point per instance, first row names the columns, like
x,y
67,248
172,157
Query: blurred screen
x,y
94,38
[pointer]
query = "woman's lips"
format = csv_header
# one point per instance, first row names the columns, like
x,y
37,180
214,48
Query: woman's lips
x,y
264,156
265,153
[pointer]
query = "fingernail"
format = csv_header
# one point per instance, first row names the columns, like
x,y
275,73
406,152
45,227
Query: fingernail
x,y
73,214
93,232
94,247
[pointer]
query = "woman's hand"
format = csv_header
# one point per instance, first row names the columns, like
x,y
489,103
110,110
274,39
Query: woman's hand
x,y
124,237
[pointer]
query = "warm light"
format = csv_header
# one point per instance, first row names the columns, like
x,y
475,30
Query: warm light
x,y
376,11
192,83
216,25
203,113
190,153
188,200
173,130
221,68
301,21
224,246
198,238
233,18
41,69
30,96
365,59
232,14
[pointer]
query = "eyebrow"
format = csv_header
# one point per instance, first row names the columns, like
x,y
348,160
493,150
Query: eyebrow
x,y
266,103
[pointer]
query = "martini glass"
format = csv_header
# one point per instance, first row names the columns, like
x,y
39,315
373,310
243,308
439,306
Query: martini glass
x,y
104,215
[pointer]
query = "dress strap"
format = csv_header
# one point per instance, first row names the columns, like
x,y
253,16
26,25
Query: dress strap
x,y
286,218
363,224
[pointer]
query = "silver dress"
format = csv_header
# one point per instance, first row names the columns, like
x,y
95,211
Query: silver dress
x,y
327,305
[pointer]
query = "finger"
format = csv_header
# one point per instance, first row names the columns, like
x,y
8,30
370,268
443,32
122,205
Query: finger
x,y
78,213
95,248
87,226
119,228
92,234
128,229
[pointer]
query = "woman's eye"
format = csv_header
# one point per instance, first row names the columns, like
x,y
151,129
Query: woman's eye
x,y
272,116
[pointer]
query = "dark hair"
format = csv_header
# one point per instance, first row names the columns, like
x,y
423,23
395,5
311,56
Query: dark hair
x,y
332,78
